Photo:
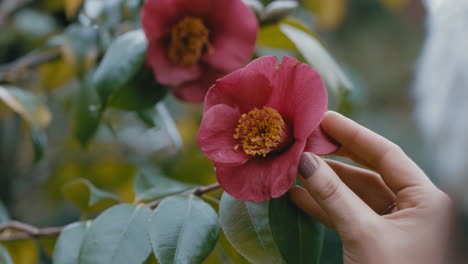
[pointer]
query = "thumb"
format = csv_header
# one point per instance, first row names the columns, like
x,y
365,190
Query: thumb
x,y
345,209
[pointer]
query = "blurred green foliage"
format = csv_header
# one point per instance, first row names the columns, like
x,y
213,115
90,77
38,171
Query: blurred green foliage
x,y
374,42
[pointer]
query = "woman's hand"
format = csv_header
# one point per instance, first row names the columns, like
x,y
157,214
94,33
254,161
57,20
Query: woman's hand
x,y
392,215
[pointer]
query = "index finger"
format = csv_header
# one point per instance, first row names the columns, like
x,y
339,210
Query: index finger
x,y
396,168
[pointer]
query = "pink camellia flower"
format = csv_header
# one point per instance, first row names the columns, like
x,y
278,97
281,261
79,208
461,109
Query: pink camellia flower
x,y
194,42
258,120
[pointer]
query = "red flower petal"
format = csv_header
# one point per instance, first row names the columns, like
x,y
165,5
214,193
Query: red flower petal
x,y
215,136
195,91
259,179
158,16
246,88
300,96
167,72
233,39
320,143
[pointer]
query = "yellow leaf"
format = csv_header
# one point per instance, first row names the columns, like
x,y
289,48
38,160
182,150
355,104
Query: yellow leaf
x,y
26,105
272,37
48,244
330,13
55,74
22,251
71,7
5,112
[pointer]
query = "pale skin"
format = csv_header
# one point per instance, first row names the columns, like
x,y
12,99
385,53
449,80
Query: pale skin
x,y
388,213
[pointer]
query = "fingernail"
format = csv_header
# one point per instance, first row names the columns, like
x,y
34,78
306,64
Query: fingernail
x,y
307,165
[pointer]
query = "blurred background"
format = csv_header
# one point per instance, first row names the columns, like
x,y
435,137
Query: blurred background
x,y
377,42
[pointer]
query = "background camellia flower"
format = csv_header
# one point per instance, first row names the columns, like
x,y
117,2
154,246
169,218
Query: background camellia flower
x,y
193,43
258,120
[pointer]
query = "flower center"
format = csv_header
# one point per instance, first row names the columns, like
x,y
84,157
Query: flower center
x,y
188,40
261,131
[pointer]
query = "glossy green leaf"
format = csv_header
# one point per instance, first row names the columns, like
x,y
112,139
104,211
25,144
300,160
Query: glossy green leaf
x,y
87,115
147,116
140,93
246,226
183,229
4,216
298,236
278,9
68,246
5,257
230,251
118,236
82,193
122,61
39,141
151,184
317,56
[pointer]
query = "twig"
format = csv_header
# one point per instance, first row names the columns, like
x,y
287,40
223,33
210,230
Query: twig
x,y
197,191
30,60
26,231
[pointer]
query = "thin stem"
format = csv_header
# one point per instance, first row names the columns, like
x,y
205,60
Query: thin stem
x,y
196,191
33,59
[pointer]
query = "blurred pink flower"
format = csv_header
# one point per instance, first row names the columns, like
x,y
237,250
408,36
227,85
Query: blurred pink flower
x,y
194,42
258,120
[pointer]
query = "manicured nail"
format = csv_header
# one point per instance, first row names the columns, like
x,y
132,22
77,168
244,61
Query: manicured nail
x,y
307,165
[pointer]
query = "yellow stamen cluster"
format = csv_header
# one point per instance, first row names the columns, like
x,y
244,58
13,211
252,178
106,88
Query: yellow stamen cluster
x,y
260,132
189,38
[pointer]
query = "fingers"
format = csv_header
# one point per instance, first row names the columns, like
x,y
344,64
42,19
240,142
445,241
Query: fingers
x,y
397,170
366,184
301,197
344,208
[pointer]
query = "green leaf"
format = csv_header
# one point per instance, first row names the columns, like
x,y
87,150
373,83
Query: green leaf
x,y
82,193
140,93
298,236
246,226
183,229
151,184
278,9
122,61
317,56
118,236
68,246
87,115
5,257
39,140
147,116
230,251
4,216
